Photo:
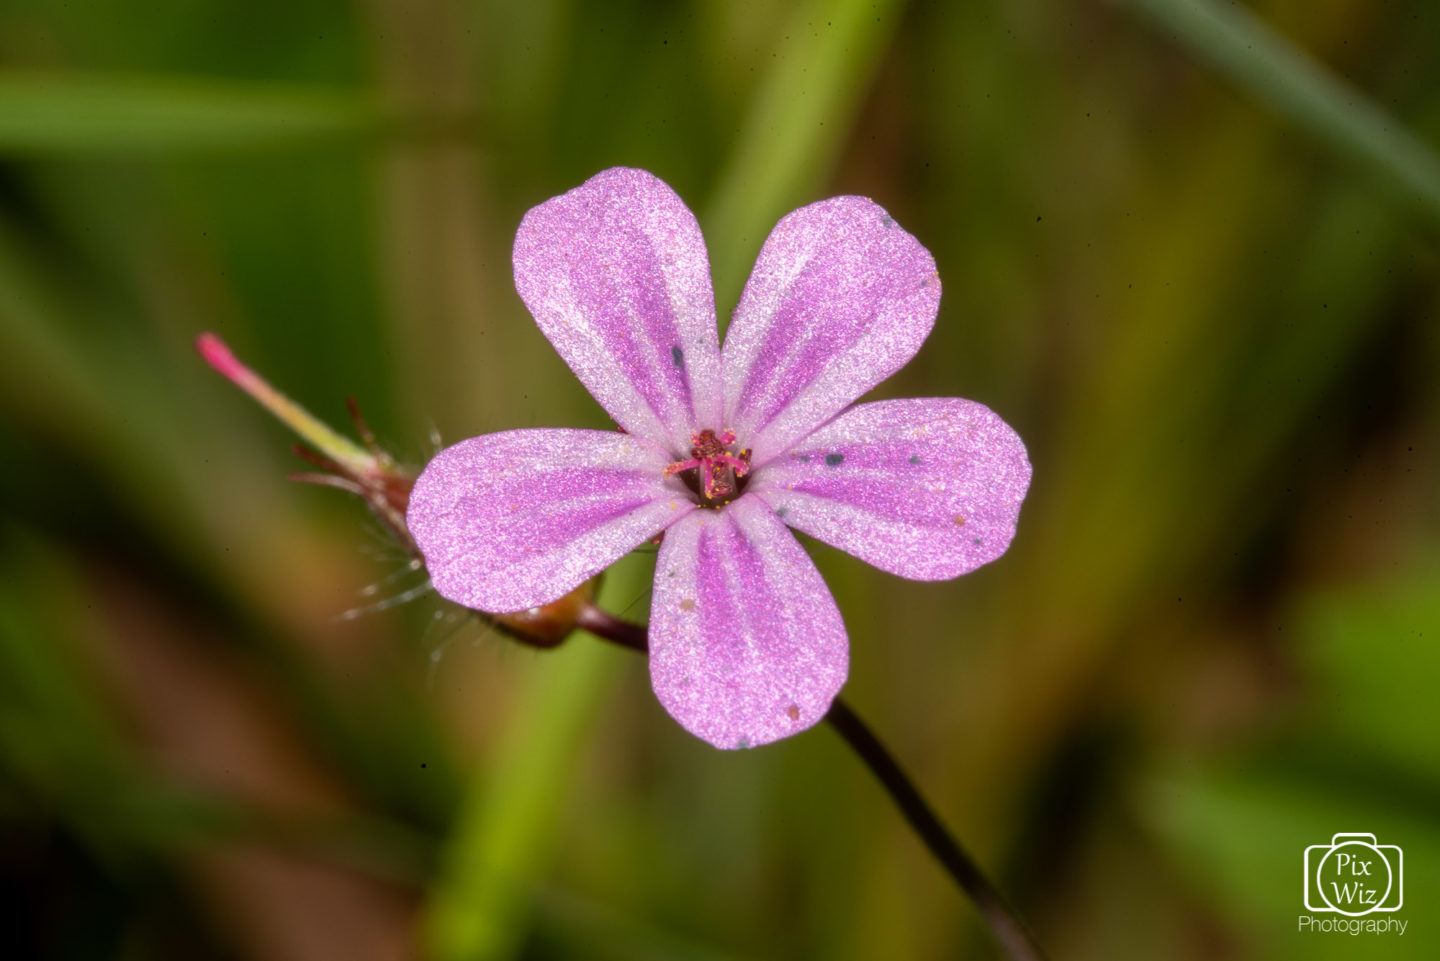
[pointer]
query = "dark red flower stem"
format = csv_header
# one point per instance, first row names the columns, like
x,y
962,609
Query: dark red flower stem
x,y
608,627
1004,923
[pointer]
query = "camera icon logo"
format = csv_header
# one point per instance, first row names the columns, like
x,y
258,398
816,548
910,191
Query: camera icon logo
x,y
1354,876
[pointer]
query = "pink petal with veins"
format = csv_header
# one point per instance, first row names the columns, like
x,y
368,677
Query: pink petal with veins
x,y
514,520
746,644
617,277
840,299
928,489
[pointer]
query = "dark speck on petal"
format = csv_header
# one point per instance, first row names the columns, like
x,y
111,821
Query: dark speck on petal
x,y
678,356
834,460
914,458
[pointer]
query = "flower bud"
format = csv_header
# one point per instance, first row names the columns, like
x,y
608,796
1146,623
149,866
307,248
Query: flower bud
x,y
370,473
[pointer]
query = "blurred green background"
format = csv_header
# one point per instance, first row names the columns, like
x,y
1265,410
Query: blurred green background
x,y
1194,262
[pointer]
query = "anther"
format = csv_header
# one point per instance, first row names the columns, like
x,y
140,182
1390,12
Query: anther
x,y
718,468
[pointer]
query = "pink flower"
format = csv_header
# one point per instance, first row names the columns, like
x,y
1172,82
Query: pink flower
x,y
722,448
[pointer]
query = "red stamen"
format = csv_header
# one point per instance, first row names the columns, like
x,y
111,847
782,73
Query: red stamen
x,y
718,468
679,466
740,466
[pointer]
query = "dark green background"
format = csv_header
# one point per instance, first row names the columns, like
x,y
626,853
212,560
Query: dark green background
x,y
1195,266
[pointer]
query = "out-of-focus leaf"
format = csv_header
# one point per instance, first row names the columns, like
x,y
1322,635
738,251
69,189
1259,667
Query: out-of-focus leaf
x,y
1241,837
1375,655
58,740
105,115
1272,68
507,830
801,114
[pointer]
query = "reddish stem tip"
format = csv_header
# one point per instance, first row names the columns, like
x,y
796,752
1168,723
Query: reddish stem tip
x,y
217,354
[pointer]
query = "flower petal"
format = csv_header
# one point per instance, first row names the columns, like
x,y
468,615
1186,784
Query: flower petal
x,y
615,273
746,644
927,489
840,299
514,520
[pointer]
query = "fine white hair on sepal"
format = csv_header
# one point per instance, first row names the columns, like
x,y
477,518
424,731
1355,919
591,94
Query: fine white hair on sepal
x,y
642,598
404,597
444,624
411,566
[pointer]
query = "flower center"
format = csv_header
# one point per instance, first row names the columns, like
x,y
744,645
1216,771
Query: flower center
x,y
718,471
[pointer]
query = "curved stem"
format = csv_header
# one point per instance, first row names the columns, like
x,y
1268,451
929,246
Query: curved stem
x,y
608,627
1004,923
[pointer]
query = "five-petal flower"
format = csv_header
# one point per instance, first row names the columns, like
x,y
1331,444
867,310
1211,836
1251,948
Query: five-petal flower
x,y
722,448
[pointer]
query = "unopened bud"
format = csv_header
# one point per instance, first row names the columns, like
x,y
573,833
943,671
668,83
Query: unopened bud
x,y
370,473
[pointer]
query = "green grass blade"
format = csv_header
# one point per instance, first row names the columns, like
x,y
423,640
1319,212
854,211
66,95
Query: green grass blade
x,y
105,114
507,829
801,114
1237,43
